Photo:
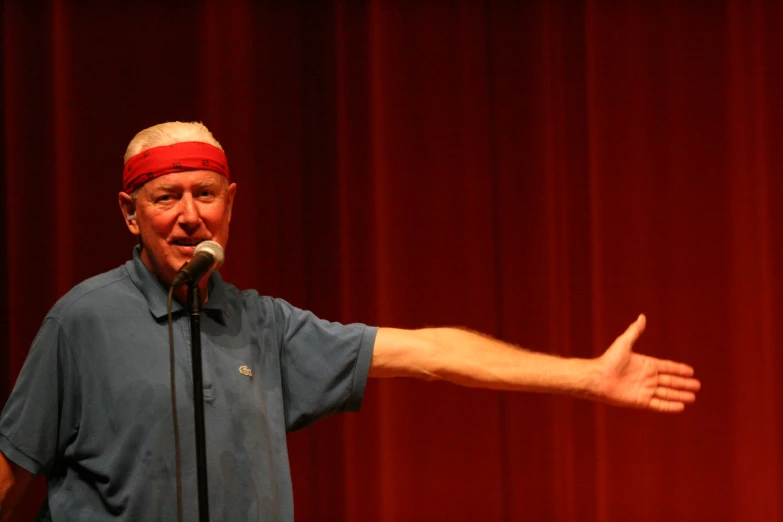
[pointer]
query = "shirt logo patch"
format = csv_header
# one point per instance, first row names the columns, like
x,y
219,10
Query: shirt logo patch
x,y
244,370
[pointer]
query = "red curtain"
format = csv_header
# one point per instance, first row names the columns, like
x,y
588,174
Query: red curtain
x,y
540,171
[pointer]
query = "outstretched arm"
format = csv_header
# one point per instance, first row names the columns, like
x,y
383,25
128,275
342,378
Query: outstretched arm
x,y
619,376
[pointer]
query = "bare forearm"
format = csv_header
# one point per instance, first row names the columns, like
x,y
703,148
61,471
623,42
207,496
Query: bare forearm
x,y
13,483
470,359
619,376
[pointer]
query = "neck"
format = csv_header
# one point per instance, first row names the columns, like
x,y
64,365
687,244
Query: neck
x,y
181,293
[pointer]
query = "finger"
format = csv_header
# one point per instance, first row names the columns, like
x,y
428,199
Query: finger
x,y
670,394
679,383
673,368
635,329
665,406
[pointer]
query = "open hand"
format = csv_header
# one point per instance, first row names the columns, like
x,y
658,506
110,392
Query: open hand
x,y
629,379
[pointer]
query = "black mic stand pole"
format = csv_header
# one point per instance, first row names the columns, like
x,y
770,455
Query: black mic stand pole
x,y
194,303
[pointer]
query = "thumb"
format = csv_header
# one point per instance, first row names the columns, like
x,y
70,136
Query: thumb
x,y
636,328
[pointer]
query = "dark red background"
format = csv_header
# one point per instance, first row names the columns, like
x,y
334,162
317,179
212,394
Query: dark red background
x,y
540,171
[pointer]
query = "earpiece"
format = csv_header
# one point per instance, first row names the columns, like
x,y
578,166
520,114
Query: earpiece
x,y
131,217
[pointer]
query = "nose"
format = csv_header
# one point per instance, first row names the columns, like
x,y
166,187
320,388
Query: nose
x,y
189,218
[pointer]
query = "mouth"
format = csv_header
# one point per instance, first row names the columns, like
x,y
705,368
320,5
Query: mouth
x,y
187,242
186,246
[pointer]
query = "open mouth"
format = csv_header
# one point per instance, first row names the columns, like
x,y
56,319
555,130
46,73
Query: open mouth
x,y
187,242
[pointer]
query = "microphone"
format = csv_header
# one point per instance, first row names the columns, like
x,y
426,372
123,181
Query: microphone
x,y
207,256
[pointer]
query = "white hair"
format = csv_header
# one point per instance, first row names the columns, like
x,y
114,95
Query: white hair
x,y
168,133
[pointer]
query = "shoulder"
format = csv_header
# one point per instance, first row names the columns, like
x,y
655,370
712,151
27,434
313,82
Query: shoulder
x,y
263,309
251,301
100,293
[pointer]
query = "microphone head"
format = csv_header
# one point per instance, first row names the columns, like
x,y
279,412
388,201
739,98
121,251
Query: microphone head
x,y
213,249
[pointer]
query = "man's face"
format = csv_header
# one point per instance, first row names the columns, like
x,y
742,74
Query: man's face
x,y
174,213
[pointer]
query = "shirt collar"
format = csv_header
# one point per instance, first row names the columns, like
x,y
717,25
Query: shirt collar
x,y
157,295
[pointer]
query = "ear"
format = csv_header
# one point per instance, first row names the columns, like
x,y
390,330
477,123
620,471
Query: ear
x,y
232,191
128,209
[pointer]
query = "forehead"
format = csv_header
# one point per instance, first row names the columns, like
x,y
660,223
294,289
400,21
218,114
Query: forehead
x,y
184,180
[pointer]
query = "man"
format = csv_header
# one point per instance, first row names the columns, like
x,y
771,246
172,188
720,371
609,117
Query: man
x,y
91,408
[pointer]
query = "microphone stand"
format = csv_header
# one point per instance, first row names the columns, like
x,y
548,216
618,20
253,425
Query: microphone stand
x,y
194,303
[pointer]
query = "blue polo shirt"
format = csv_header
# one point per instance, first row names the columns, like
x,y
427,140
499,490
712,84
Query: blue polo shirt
x,y
91,408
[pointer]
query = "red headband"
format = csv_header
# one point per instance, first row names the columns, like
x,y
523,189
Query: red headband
x,y
178,157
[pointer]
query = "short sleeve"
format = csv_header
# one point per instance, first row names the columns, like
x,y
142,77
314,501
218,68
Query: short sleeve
x,y
40,416
324,365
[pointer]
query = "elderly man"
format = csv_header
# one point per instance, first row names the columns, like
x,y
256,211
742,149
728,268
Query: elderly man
x,y
92,406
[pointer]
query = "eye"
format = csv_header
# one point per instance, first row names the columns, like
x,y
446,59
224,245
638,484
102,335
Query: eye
x,y
165,198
